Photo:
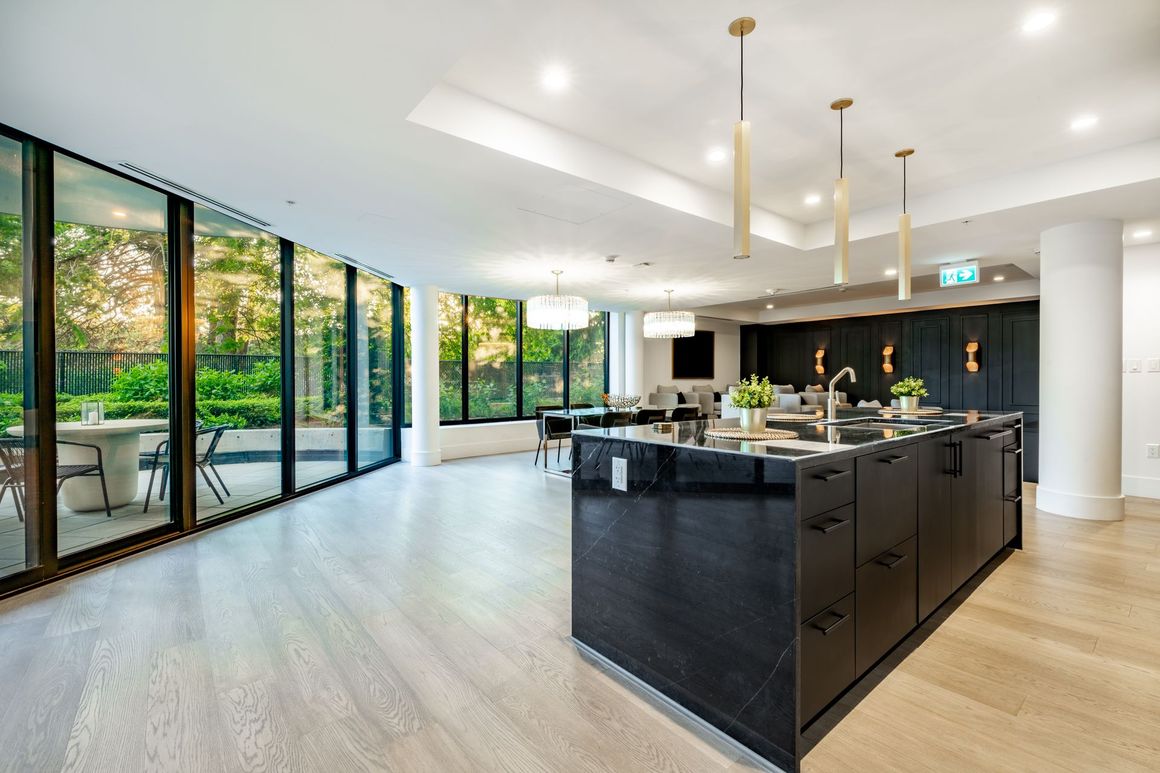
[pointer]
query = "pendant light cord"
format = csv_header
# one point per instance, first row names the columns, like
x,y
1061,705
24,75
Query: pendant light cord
x,y
742,94
842,143
904,185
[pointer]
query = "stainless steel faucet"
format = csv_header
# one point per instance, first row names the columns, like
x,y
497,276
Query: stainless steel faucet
x,y
834,380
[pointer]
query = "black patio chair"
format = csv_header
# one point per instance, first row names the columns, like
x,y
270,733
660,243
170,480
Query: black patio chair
x,y
159,457
12,459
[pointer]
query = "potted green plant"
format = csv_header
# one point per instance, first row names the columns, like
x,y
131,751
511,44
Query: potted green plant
x,y
908,391
752,397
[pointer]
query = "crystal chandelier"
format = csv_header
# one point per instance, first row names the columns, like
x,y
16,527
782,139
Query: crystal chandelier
x,y
669,323
557,312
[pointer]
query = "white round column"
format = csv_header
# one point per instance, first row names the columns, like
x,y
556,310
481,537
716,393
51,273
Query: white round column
x,y
616,353
425,450
634,355
1081,300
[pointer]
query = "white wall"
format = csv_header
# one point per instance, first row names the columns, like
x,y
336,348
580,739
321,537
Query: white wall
x,y
460,441
658,358
1142,389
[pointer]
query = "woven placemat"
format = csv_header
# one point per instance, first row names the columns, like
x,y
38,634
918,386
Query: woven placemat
x,y
919,412
794,417
736,433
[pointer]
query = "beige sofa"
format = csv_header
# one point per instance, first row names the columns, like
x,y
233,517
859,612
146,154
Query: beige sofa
x,y
667,397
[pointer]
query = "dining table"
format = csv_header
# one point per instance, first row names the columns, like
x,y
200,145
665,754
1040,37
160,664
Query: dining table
x,y
120,444
577,417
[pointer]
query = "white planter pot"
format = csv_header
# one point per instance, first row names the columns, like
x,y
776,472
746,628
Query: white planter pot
x,y
753,419
909,403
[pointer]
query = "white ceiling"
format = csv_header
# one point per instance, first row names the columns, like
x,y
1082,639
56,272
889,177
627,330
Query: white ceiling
x,y
415,136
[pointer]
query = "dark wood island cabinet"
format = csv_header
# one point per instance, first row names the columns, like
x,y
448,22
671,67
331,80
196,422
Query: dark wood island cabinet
x,y
754,584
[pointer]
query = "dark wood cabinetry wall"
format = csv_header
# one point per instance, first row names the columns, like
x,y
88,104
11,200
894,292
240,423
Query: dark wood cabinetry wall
x,y
929,344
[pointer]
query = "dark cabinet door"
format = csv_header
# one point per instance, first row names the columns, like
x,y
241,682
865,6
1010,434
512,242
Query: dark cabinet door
x,y
826,487
827,559
886,602
935,512
887,486
989,495
827,659
964,497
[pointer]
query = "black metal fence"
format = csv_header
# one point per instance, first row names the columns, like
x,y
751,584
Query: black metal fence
x,y
86,373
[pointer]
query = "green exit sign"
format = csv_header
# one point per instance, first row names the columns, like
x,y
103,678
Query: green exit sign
x,y
960,274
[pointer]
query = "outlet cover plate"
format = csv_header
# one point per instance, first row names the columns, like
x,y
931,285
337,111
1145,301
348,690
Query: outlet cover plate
x,y
1153,450
619,473
1154,364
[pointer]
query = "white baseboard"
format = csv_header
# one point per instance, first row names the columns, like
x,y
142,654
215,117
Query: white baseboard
x,y
1139,486
460,441
1085,506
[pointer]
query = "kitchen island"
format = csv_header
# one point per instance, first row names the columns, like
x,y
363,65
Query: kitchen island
x,y
753,583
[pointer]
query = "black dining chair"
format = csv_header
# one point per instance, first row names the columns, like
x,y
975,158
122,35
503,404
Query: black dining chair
x,y
649,416
549,428
615,419
12,459
686,414
202,459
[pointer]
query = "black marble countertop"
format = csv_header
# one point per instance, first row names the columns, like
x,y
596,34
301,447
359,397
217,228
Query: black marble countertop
x,y
816,441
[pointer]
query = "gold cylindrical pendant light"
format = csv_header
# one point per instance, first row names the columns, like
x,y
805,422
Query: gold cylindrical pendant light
x,y
904,234
841,201
739,28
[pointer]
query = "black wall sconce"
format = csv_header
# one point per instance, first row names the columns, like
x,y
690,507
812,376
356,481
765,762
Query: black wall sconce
x,y
973,357
888,359
820,361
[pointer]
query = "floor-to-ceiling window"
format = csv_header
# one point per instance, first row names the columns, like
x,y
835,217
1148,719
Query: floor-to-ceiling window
x,y
374,369
238,377
543,352
319,367
586,361
13,524
112,354
450,357
491,357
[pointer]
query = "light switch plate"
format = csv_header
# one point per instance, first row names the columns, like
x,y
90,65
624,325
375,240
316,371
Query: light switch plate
x,y
1154,364
619,473
1153,450
1133,366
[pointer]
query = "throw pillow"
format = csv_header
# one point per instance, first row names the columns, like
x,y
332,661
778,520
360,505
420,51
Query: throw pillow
x,y
667,390
869,404
815,388
783,389
681,398
716,397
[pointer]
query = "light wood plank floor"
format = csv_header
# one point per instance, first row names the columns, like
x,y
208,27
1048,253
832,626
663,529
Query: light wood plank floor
x,y
416,620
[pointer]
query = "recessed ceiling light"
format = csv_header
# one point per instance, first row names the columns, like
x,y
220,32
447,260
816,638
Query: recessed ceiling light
x,y
120,213
768,291
1038,21
998,278
1086,121
769,305
812,199
891,272
716,155
1143,233
555,78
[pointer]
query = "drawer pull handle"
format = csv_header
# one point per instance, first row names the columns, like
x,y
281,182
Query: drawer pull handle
x,y
996,435
826,629
829,476
891,564
894,459
1016,451
1013,498
835,523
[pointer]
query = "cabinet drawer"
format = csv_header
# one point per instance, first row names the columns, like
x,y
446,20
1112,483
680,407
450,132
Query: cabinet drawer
x,y
1009,520
826,487
827,659
827,569
887,610
887,500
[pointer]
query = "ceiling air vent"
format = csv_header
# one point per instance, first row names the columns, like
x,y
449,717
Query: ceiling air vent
x,y
179,188
360,264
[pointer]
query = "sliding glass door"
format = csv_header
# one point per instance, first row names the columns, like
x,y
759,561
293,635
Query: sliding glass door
x,y
112,368
14,526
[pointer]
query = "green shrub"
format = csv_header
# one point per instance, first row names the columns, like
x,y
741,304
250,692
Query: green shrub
x,y
254,412
143,382
266,378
